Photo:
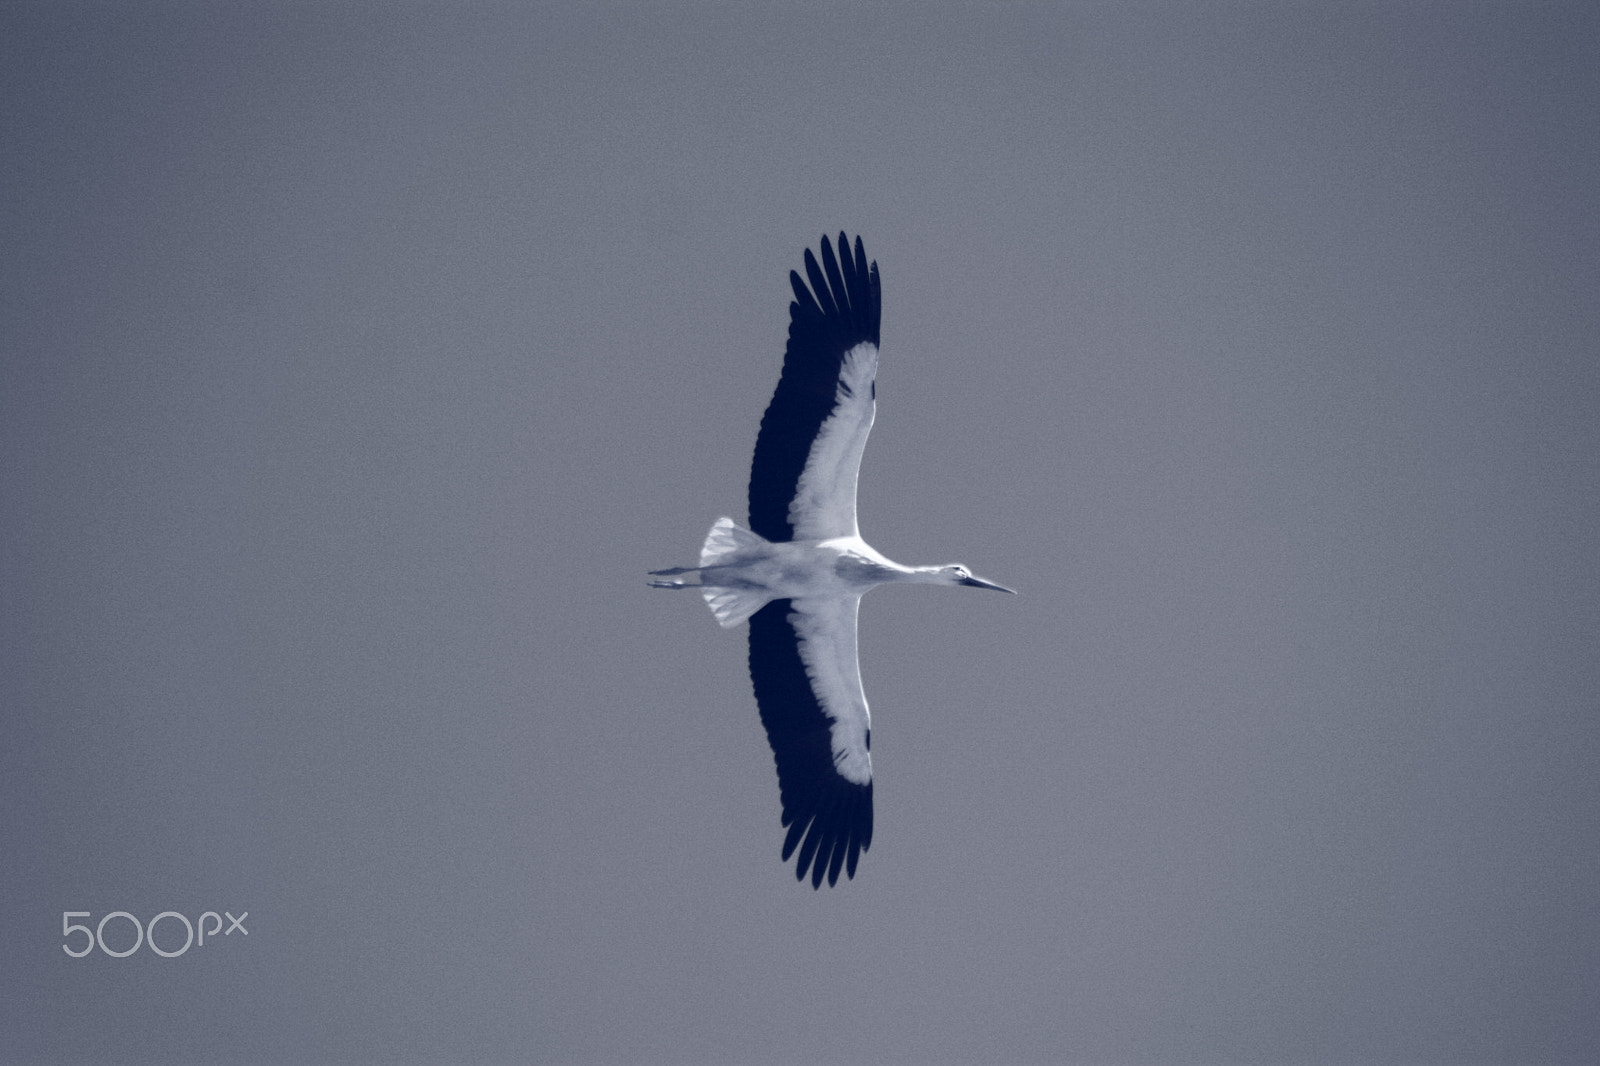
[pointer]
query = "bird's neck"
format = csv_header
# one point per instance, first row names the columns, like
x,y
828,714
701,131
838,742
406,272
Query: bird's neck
x,y
921,575
872,566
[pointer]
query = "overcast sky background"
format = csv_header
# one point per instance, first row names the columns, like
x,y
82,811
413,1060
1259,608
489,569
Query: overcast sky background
x,y
359,360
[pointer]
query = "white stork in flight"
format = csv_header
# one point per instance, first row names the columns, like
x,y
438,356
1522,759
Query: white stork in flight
x,y
798,573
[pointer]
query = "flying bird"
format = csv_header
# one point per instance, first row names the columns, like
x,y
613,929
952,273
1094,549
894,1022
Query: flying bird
x,y
799,572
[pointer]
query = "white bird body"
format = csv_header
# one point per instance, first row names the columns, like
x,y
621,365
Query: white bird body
x,y
798,574
837,566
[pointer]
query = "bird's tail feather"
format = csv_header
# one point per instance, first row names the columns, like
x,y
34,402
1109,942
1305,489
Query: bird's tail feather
x,y
723,542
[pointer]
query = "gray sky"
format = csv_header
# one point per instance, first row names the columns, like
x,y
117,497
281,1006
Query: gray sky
x,y
358,361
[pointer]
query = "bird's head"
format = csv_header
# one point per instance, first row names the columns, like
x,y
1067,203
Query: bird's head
x,y
956,574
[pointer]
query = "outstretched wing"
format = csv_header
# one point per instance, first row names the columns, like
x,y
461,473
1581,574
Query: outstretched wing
x,y
803,477
808,686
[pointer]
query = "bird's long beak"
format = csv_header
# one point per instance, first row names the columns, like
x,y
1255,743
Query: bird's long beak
x,y
980,583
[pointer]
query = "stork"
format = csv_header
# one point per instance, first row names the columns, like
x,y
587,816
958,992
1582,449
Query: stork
x,y
799,572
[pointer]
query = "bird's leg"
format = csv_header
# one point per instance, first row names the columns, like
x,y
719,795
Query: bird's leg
x,y
674,584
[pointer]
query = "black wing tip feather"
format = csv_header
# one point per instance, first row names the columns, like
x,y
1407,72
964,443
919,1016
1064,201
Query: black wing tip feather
x,y
843,302
829,818
851,287
835,835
